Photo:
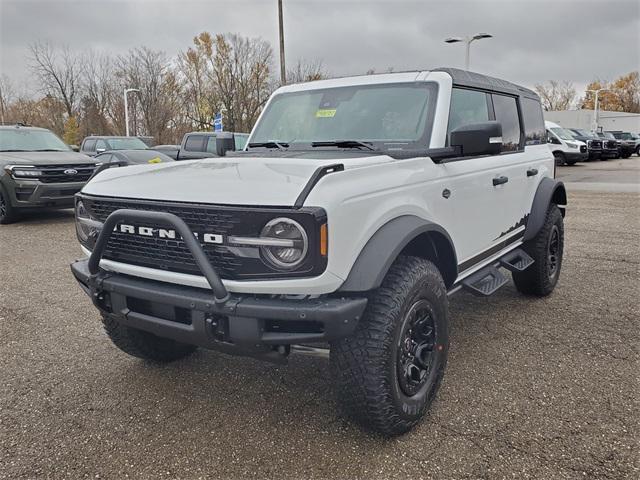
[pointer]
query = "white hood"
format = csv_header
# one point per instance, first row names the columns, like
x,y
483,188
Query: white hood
x,y
230,181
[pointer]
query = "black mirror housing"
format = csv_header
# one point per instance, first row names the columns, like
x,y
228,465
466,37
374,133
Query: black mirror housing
x,y
478,138
225,142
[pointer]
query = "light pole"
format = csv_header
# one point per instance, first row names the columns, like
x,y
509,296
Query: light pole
x,y
467,41
283,71
126,108
595,106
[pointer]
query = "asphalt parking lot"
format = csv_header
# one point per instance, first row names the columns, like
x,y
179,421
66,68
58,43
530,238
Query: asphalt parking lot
x,y
534,388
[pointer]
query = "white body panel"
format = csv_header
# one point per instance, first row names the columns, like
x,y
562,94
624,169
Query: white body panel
x,y
370,192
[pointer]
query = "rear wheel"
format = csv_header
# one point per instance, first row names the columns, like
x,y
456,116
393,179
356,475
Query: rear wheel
x,y
8,213
546,249
145,345
388,371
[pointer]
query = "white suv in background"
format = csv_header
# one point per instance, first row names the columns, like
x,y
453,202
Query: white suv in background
x,y
357,208
565,148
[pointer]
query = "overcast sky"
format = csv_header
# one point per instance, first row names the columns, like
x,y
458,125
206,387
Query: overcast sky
x,y
576,40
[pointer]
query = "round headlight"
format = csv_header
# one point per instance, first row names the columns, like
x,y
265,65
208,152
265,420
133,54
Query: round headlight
x,y
292,240
82,226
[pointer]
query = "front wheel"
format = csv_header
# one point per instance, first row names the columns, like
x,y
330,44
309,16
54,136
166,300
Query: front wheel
x,y
389,370
8,213
546,249
559,158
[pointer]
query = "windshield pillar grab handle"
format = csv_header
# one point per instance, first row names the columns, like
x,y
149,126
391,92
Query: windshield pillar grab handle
x,y
221,295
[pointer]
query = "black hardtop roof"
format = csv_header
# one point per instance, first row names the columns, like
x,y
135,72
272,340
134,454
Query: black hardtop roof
x,y
465,78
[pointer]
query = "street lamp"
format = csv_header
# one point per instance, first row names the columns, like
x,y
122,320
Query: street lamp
x,y
467,41
595,106
283,70
126,108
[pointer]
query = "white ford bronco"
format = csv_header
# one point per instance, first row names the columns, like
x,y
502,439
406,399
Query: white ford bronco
x,y
358,206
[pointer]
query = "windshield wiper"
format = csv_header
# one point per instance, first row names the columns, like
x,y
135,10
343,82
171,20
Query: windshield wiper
x,y
271,144
49,150
14,150
343,144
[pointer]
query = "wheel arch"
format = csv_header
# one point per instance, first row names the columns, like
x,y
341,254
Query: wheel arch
x,y
549,191
410,235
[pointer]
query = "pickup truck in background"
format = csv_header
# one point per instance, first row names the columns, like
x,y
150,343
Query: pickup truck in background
x,y
203,145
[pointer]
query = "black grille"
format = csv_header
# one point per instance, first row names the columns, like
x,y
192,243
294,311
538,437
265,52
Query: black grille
x,y
610,144
595,144
172,254
56,173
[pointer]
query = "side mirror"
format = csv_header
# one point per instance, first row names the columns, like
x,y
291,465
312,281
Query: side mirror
x,y
100,150
75,148
224,143
478,138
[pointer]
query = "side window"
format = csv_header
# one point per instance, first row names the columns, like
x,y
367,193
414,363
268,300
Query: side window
x,y
211,145
105,158
89,145
240,140
194,143
506,111
101,145
467,106
534,131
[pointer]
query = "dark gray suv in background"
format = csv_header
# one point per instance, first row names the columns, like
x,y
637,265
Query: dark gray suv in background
x,y
38,170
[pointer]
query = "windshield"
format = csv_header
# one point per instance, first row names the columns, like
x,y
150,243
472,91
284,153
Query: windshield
x,y
17,139
562,133
583,133
131,143
381,114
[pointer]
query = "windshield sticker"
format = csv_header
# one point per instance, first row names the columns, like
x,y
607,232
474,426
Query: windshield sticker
x,y
326,113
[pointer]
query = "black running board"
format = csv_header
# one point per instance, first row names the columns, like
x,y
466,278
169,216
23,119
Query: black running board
x,y
488,280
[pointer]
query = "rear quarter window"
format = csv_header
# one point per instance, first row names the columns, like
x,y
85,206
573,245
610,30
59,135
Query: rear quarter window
x,y
506,112
194,143
534,129
89,145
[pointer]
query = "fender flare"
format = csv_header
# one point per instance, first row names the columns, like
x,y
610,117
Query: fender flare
x,y
375,259
549,191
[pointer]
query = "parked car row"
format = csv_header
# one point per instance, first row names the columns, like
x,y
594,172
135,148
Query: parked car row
x,y
38,170
571,145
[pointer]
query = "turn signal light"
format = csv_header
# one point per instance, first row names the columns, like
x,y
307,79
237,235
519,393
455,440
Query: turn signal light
x,y
323,240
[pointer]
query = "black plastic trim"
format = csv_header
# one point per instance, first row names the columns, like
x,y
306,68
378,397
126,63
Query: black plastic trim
x,y
544,194
467,264
313,181
300,320
383,248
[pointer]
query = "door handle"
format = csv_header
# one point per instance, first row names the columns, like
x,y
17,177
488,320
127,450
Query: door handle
x,y
532,172
500,180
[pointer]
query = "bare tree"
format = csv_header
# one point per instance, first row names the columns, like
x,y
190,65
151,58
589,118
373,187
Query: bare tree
x,y
556,95
201,100
6,96
58,72
306,71
242,73
159,99
100,87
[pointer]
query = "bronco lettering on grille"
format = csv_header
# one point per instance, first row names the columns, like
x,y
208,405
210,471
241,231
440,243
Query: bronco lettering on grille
x,y
164,233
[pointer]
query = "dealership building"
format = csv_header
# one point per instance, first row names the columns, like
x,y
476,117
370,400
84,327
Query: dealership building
x,y
627,122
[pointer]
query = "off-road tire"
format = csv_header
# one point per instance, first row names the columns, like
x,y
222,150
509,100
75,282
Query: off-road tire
x,y
145,345
365,365
8,213
540,278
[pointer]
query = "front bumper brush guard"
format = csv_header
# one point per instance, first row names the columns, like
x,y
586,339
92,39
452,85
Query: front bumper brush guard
x,y
220,293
